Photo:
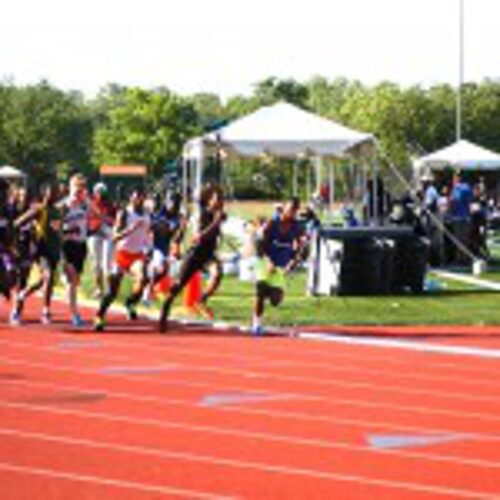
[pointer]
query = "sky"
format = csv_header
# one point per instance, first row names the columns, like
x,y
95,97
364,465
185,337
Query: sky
x,y
226,46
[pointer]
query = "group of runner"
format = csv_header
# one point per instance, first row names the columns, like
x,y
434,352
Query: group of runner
x,y
57,228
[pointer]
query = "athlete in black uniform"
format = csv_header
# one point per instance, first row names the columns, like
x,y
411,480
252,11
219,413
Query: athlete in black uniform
x,y
7,264
202,253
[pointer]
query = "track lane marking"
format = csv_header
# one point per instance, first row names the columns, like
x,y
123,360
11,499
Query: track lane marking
x,y
487,417
265,436
162,346
395,389
427,347
335,369
127,485
242,464
248,411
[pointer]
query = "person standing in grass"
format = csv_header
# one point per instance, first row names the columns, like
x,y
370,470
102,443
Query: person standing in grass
x,y
101,227
132,237
47,222
202,254
278,253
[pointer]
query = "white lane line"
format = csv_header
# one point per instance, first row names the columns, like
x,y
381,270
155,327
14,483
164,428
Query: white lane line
x,y
267,376
264,436
363,424
104,481
452,350
297,334
332,368
241,464
426,410
470,280
163,346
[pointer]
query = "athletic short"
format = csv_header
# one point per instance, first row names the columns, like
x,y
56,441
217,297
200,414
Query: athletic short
x,y
124,260
196,260
47,255
7,273
75,253
275,279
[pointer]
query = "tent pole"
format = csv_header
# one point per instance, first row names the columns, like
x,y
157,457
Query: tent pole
x,y
460,70
295,180
308,180
199,172
317,161
364,198
332,190
185,166
375,193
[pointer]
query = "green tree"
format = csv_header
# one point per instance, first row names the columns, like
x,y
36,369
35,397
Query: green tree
x,y
42,128
148,127
272,89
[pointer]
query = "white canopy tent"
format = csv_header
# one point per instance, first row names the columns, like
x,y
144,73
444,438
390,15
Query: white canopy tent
x,y
8,172
462,155
282,131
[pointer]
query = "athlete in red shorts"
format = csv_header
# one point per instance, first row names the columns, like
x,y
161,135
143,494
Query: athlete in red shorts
x,y
133,239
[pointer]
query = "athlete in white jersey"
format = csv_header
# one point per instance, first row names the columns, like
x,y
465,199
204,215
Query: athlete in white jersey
x,y
75,213
132,236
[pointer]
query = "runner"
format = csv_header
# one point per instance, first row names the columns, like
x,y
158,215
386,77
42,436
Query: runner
x,y
132,236
202,253
278,254
169,226
75,209
24,243
46,218
7,264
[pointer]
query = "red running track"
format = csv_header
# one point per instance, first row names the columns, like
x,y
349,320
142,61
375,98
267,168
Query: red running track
x,y
131,414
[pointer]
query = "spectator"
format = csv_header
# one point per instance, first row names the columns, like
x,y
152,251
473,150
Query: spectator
x,y
461,198
101,222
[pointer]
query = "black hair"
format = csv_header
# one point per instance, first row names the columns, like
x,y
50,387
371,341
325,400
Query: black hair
x,y
138,190
207,193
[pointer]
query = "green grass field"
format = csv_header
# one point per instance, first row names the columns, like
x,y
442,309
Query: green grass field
x,y
451,304
448,302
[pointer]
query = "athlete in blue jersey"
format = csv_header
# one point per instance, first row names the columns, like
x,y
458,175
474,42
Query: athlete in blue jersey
x,y
277,254
169,225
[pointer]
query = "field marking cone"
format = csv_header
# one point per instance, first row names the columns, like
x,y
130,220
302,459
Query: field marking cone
x,y
192,294
163,286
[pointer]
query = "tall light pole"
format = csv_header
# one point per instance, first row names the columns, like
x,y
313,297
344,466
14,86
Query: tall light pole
x,y
460,71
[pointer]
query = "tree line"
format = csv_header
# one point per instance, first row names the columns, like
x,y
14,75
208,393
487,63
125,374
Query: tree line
x,y
47,131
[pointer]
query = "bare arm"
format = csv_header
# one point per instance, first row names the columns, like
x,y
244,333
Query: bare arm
x,y
119,230
28,216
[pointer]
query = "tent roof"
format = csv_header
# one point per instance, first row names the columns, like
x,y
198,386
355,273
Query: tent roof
x,y
8,172
284,130
462,154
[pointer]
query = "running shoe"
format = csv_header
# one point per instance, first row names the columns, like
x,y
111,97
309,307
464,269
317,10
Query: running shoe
x,y
15,319
131,312
77,321
99,324
258,331
46,318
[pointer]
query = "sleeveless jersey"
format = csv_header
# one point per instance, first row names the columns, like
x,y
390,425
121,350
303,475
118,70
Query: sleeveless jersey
x,y
137,241
75,220
280,247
